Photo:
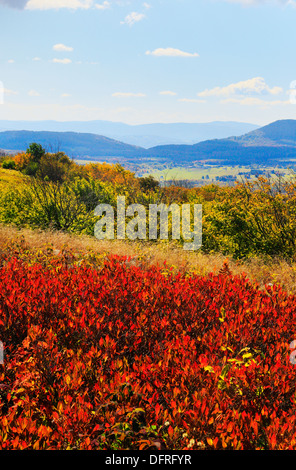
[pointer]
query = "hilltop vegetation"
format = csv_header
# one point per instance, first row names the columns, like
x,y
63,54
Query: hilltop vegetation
x,y
252,218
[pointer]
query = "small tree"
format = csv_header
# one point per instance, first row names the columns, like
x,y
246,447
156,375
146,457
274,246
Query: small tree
x,y
37,151
54,167
148,183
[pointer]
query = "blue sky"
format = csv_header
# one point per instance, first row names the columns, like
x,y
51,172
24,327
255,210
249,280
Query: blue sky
x,y
154,61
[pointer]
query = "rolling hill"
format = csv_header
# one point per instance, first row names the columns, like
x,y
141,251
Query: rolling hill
x,y
273,144
74,144
278,133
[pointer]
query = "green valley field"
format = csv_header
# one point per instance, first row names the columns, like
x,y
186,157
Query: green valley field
x,y
214,174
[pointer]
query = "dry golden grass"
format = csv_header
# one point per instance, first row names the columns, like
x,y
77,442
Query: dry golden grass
x,y
147,254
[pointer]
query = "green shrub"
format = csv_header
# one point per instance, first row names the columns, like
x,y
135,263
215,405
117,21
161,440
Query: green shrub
x,y
31,169
8,164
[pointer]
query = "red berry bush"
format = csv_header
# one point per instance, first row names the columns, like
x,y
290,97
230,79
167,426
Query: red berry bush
x,y
122,357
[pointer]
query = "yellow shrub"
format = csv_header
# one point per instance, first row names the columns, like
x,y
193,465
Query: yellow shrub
x,y
22,160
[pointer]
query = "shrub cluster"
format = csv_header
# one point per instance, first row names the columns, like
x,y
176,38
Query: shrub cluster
x,y
246,220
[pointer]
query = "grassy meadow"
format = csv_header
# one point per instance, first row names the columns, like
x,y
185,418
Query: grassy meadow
x,y
213,173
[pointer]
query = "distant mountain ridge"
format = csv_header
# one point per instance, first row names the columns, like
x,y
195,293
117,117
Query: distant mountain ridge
x,y
142,135
273,144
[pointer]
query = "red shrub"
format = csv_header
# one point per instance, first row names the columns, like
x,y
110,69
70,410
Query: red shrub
x,y
125,358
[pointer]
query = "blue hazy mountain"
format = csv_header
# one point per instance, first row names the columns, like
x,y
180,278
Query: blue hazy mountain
x,y
144,135
74,144
272,144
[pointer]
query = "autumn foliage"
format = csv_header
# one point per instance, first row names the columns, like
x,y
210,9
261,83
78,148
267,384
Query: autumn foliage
x,y
121,357
107,352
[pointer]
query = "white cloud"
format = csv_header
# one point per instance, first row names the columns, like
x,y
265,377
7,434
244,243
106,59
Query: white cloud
x,y
120,94
62,61
191,100
168,93
57,4
11,61
65,95
103,6
146,5
62,48
33,93
252,101
254,85
171,52
36,59
133,18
